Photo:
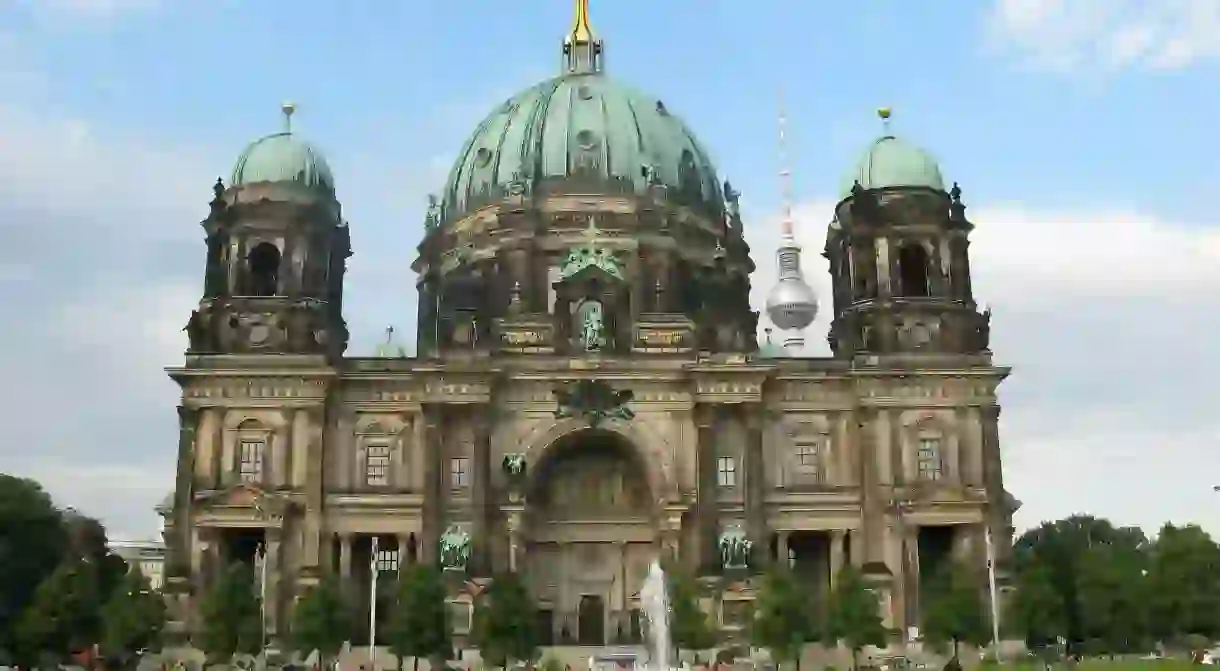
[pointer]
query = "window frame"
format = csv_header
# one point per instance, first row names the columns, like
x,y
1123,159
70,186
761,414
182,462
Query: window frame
x,y
726,471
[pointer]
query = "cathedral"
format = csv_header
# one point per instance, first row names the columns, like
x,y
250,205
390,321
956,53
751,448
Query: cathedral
x,y
587,393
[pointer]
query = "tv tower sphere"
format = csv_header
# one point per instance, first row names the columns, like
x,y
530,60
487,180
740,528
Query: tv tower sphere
x,y
792,305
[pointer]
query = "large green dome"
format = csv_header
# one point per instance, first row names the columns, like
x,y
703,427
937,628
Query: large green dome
x,y
891,162
580,122
283,157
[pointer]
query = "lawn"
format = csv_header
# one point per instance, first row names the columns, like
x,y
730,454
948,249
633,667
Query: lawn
x,y
1105,665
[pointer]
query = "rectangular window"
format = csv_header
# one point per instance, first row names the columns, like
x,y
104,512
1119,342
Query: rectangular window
x,y
459,472
927,459
251,460
387,560
808,457
377,464
726,472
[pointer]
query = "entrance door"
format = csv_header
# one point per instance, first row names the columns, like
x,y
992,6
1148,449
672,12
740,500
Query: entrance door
x,y
592,621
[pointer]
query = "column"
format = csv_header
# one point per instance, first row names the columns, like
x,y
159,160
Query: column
x,y
909,537
345,557
837,539
481,487
872,504
781,549
274,537
402,551
298,460
756,482
998,519
708,508
180,544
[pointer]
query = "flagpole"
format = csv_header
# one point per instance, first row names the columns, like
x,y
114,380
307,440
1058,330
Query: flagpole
x,y
991,588
373,604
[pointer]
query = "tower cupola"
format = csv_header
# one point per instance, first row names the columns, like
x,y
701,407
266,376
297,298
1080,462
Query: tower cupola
x,y
283,157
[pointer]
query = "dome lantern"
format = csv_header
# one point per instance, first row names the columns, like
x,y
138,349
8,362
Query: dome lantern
x,y
582,50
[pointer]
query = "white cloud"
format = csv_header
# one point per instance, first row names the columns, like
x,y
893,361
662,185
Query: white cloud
x,y
1107,319
1108,34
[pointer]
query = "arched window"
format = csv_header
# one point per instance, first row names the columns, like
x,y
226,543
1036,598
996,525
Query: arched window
x,y
913,270
264,267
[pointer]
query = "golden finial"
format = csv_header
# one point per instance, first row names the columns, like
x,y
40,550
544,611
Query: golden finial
x,y
582,32
288,108
884,113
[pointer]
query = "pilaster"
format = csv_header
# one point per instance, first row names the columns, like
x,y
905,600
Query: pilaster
x,y
708,512
436,490
756,483
481,490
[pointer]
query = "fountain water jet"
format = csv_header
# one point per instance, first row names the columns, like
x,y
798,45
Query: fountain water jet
x,y
654,599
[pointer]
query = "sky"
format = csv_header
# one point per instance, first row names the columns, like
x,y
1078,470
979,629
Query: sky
x,y
1080,132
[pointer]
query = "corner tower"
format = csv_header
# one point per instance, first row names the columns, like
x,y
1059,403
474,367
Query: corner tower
x,y
899,264
276,252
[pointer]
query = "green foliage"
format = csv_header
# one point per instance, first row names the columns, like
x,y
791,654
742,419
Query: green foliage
x,y
1036,609
64,616
506,627
322,620
784,621
1060,546
689,628
418,625
232,615
87,541
853,618
1113,595
953,609
1184,576
32,544
132,618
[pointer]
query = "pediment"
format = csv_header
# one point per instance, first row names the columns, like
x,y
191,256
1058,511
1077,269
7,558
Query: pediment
x,y
245,495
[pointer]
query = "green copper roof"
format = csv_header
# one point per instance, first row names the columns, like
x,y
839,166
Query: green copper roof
x,y
283,157
578,122
892,162
770,350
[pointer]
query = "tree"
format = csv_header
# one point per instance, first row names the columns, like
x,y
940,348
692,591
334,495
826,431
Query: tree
x,y
507,622
1184,583
322,620
64,616
232,615
418,625
953,610
784,620
132,618
1036,610
87,541
853,618
689,628
32,544
1060,546
1113,598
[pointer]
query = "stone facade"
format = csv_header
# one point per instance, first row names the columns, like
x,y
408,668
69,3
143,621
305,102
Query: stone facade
x,y
588,396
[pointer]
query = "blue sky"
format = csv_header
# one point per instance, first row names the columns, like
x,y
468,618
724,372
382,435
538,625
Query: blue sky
x,y
1081,131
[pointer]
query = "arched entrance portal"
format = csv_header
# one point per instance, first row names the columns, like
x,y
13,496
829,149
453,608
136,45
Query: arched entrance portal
x,y
591,535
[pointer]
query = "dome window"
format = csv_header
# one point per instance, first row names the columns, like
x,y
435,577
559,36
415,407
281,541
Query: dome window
x,y
661,109
587,140
913,270
585,93
482,157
